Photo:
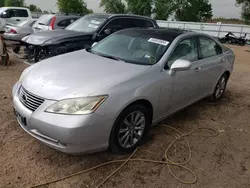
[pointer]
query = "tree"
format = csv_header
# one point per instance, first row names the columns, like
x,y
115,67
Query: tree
x,y
245,13
14,3
2,3
34,8
163,9
73,6
113,6
140,7
193,10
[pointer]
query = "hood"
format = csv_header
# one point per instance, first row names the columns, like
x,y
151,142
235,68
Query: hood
x,y
77,74
51,37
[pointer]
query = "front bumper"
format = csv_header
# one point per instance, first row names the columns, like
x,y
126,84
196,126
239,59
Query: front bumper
x,y
67,133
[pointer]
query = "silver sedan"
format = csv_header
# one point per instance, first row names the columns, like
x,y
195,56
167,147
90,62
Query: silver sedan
x,y
109,95
17,32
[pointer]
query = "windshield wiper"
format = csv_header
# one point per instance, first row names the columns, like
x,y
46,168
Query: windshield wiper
x,y
110,57
41,23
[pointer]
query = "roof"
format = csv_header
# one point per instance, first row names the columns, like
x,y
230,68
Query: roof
x,y
121,15
8,7
159,33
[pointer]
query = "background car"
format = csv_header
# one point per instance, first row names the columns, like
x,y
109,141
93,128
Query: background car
x,y
50,22
81,34
107,96
17,32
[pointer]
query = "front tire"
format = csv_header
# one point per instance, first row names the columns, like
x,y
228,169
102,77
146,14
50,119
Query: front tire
x,y
219,88
129,129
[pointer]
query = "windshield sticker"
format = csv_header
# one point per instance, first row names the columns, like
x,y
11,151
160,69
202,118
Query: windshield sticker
x,y
158,41
95,22
93,26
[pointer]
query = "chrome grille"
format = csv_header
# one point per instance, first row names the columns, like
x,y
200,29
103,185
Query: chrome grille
x,y
29,100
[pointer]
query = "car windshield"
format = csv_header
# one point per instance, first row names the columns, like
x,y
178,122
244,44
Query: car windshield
x,y
132,48
87,24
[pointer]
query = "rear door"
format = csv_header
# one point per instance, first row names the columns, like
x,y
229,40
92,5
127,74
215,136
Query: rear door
x,y
211,66
184,84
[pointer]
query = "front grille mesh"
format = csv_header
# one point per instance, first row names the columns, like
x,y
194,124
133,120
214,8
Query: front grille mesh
x,y
29,100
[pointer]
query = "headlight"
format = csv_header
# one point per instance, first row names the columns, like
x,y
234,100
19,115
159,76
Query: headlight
x,y
79,106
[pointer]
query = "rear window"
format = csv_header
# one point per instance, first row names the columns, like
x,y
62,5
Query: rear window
x,y
45,20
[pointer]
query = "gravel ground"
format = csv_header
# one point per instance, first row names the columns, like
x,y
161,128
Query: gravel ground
x,y
219,162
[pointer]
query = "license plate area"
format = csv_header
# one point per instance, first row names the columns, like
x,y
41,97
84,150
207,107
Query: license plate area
x,y
20,118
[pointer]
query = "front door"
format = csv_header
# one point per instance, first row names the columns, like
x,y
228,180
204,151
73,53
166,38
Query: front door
x,y
184,84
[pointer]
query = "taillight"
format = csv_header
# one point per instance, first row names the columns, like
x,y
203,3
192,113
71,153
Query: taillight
x,y
52,23
12,31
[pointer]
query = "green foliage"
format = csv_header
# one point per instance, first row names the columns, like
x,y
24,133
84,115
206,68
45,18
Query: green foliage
x,y
245,13
73,6
113,6
194,10
2,3
140,7
34,8
14,3
163,9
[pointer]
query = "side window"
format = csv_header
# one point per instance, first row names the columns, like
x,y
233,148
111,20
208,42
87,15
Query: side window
x,y
143,23
65,23
209,47
10,13
187,49
21,13
114,25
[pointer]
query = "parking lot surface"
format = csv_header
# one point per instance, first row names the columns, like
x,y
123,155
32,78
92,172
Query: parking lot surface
x,y
219,162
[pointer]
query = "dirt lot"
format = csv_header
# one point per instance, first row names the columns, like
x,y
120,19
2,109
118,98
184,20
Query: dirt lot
x,y
219,162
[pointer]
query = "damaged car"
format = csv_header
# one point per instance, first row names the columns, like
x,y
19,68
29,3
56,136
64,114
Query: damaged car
x,y
81,34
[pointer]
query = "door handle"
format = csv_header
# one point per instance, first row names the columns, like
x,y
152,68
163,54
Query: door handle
x,y
197,69
18,20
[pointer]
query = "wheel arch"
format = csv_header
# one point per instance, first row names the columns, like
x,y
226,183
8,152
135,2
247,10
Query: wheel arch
x,y
227,73
144,102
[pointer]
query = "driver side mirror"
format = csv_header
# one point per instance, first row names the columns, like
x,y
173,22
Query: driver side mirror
x,y
95,43
180,65
4,15
108,31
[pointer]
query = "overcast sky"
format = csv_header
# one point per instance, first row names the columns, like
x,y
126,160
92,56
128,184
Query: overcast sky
x,y
221,8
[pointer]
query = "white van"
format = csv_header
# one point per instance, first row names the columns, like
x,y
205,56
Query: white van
x,y
14,15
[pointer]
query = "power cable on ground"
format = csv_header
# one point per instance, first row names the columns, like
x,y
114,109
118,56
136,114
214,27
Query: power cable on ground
x,y
167,161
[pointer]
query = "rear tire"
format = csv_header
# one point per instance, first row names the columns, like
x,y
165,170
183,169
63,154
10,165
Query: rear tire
x,y
130,129
219,88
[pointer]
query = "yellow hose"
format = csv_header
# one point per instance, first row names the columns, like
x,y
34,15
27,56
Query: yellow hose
x,y
168,162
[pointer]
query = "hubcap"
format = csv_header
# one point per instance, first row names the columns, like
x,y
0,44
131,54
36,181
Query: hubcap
x,y
132,129
220,87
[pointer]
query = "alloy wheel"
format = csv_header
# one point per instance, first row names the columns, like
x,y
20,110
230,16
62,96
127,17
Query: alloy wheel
x,y
132,129
220,88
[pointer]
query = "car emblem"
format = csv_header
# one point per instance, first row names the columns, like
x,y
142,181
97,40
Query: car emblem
x,y
24,98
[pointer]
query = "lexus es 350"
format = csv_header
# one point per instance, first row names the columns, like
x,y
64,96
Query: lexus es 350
x,y
107,96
